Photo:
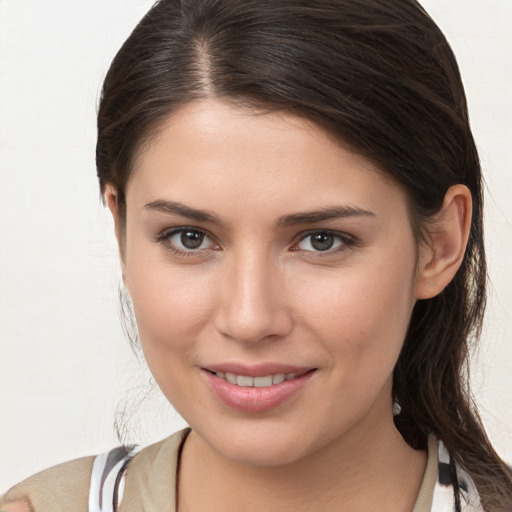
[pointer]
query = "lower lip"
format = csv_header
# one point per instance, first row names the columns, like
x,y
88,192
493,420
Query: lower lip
x,y
250,399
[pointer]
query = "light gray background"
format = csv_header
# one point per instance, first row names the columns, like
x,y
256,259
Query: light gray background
x,y
64,365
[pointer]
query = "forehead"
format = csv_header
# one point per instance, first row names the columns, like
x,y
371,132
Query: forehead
x,y
211,150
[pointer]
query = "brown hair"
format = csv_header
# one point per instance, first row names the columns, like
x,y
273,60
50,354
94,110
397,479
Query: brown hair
x,y
381,77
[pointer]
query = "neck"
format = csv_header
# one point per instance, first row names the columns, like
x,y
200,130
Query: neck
x,y
359,471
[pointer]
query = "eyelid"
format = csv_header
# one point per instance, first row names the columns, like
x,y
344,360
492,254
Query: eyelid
x,y
165,236
347,240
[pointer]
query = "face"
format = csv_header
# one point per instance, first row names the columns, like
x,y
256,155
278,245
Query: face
x,y
273,278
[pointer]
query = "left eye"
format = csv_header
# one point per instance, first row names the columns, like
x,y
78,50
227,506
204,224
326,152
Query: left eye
x,y
321,241
188,240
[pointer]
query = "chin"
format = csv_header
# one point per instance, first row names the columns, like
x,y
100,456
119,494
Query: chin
x,y
262,444
261,453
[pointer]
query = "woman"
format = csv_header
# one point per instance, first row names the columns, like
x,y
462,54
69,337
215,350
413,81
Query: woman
x,y
298,205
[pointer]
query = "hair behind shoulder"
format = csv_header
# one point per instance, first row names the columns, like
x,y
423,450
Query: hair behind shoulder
x,y
380,76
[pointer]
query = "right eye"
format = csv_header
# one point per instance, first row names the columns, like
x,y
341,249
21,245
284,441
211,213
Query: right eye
x,y
186,240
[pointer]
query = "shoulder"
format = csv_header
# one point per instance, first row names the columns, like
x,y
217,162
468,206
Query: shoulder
x,y
151,475
70,486
60,488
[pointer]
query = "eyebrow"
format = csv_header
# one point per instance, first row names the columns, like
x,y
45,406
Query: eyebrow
x,y
184,211
311,217
330,213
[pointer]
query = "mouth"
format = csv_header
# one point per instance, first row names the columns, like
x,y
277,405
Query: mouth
x,y
257,393
246,381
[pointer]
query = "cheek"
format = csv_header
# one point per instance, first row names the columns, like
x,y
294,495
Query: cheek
x,y
362,315
171,312
171,305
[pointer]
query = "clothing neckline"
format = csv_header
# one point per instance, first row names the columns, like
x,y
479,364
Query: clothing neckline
x,y
426,493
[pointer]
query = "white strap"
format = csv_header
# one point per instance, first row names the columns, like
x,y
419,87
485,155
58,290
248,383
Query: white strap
x,y
105,471
443,500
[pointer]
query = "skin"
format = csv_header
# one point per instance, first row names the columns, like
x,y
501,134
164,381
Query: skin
x,y
17,506
257,291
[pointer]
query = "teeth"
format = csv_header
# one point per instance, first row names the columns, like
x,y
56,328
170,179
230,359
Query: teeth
x,y
230,377
277,379
245,382
256,382
262,382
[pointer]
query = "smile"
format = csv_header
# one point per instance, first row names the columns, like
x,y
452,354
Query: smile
x,y
259,393
246,381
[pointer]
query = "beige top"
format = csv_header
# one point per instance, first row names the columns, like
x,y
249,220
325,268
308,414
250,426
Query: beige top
x,y
150,483
426,494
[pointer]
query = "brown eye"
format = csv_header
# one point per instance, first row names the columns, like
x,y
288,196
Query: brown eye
x,y
191,239
322,241
186,240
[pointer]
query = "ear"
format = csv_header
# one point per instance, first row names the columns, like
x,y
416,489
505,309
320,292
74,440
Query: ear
x,y
441,256
112,200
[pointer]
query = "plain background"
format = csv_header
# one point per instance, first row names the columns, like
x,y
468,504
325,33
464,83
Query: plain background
x,y
65,367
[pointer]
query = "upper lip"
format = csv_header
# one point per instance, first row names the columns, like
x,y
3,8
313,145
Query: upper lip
x,y
257,370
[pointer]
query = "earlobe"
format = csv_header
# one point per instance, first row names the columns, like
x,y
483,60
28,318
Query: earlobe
x,y
442,256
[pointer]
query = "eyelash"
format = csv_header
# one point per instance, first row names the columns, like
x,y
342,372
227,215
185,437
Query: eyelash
x,y
346,242
165,239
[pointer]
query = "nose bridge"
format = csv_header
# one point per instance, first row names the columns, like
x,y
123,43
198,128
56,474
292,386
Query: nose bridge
x,y
253,305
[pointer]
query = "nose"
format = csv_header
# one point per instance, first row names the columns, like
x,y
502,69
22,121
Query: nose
x,y
253,304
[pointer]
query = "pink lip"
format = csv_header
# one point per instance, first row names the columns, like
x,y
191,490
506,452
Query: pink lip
x,y
252,399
